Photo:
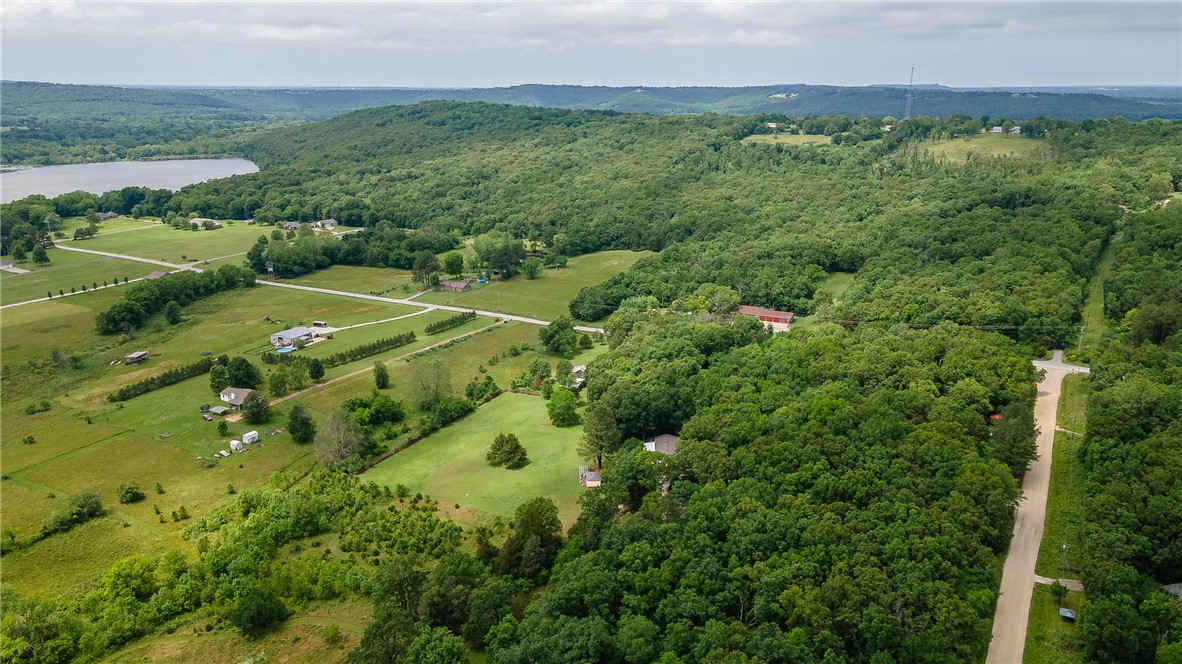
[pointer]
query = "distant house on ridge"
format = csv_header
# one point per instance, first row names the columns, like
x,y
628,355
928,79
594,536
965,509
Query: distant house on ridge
x,y
328,224
291,226
154,275
781,321
104,216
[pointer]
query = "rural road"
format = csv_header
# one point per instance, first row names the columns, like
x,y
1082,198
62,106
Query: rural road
x,y
329,291
1018,578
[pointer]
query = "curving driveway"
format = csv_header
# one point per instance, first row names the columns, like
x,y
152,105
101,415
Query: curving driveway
x,y
1018,578
329,291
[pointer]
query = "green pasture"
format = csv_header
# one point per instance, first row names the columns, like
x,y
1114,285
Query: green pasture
x,y
71,224
787,139
1093,312
1049,638
295,641
165,243
545,297
70,564
983,145
355,279
449,465
1065,500
66,269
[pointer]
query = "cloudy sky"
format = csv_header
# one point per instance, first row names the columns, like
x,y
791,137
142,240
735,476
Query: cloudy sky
x,y
483,44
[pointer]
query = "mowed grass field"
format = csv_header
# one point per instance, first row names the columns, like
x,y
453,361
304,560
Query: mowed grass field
x,y
71,224
983,145
1065,500
545,297
355,279
66,269
168,244
835,284
449,465
787,139
1049,638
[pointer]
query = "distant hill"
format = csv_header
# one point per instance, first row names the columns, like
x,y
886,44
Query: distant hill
x,y
300,104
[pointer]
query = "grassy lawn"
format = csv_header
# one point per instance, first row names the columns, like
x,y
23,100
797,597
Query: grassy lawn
x,y
545,297
71,224
1065,505
369,280
1093,313
1049,638
449,465
168,244
835,284
66,269
69,564
983,145
787,139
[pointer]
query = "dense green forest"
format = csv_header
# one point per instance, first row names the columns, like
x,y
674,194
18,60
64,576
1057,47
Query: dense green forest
x,y
1132,451
46,123
840,493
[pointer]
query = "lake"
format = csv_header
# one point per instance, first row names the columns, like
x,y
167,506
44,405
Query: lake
x,y
103,177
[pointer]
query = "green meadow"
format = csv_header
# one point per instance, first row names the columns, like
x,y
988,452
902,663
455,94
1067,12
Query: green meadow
x,y
66,270
545,297
165,243
449,465
983,145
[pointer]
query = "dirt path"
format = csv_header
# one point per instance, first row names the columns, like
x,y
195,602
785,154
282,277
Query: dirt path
x,y
1017,579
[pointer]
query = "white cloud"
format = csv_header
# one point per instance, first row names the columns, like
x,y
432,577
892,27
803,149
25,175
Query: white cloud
x,y
471,37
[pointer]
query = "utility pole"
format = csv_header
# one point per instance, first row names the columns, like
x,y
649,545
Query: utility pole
x,y
910,92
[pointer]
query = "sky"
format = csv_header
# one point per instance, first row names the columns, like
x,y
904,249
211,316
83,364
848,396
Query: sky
x,y
490,44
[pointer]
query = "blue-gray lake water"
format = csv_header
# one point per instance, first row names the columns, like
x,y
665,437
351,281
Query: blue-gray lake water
x,y
105,176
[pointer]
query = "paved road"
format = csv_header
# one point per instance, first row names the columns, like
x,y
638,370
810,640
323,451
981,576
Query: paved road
x,y
1017,578
329,291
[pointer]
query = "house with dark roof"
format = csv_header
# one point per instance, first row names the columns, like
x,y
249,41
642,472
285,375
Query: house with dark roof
x,y
154,275
136,357
290,226
327,224
104,216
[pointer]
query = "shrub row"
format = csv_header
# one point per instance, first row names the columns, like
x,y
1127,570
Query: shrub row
x,y
345,356
165,379
448,323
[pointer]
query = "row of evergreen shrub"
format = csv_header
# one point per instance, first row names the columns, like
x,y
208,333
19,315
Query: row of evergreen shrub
x,y
345,356
448,323
165,379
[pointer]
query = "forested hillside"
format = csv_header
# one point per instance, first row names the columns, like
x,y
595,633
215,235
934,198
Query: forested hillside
x,y
49,123
1133,451
841,493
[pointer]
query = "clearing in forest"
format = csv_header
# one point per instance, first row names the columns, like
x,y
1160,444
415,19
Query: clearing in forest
x,y
788,139
545,297
982,145
449,465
